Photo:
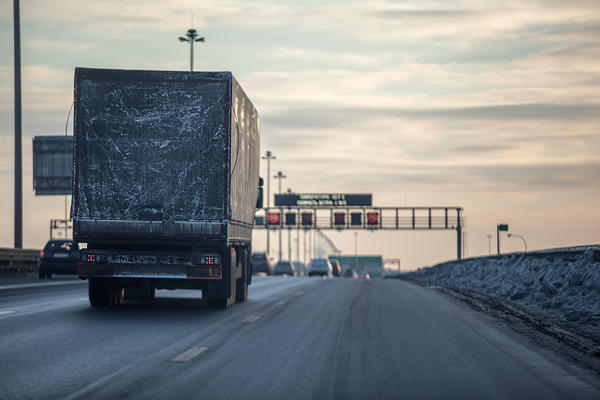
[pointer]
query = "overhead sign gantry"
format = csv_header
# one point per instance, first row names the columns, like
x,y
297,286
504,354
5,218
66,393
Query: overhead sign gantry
x,y
355,211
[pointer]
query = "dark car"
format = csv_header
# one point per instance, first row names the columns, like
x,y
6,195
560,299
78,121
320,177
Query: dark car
x,y
362,275
350,273
260,263
284,268
58,257
336,269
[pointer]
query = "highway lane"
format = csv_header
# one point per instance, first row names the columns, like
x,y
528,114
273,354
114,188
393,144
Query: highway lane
x,y
295,338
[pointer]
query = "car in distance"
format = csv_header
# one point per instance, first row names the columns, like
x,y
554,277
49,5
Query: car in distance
x,y
284,268
350,273
319,266
300,268
336,269
362,275
260,263
59,256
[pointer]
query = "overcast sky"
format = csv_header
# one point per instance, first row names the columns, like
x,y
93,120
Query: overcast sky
x,y
493,108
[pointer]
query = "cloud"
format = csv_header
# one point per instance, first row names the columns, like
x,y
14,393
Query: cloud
x,y
385,21
58,45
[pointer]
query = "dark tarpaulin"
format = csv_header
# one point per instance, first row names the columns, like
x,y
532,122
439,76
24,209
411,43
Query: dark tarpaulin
x,y
157,146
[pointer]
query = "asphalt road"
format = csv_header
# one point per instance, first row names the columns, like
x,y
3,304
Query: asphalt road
x,y
295,338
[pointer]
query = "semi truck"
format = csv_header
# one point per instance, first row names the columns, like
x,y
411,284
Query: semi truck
x,y
165,184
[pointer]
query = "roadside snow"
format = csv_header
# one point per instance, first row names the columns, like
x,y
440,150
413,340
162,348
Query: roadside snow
x,y
563,283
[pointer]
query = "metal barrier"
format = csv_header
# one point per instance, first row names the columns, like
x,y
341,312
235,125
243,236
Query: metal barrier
x,y
15,260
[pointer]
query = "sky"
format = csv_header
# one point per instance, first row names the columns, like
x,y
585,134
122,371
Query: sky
x,y
492,107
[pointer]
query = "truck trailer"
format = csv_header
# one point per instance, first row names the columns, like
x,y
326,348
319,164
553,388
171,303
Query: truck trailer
x,y
165,184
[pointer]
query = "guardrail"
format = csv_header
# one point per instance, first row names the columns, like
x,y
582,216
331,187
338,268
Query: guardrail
x,y
18,260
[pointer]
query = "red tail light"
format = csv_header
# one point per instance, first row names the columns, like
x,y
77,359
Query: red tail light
x,y
42,255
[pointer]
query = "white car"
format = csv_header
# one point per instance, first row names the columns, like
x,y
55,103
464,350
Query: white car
x,y
319,266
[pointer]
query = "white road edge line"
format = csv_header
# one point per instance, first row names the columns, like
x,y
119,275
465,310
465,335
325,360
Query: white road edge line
x,y
6,312
279,303
189,354
251,318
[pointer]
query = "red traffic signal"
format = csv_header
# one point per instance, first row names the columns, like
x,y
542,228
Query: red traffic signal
x,y
339,218
372,218
273,218
306,218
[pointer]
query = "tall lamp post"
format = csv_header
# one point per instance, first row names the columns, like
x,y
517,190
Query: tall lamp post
x,y
279,176
268,156
356,251
519,236
192,37
289,237
18,130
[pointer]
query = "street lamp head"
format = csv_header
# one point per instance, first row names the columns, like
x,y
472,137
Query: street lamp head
x,y
182,39
509,234
201,40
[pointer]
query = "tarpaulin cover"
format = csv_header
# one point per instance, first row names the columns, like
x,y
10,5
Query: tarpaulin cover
x,y
156,146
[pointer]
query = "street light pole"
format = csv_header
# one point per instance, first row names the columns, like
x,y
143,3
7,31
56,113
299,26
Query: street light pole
x,y
356,251
280,176
18,129
489,245
191,38
519,236
268,156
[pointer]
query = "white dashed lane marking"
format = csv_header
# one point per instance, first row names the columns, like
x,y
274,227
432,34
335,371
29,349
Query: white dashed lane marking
x,y
251,318
189,354
6,312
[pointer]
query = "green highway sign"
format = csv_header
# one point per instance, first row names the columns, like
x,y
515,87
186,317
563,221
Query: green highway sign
x,y
503,227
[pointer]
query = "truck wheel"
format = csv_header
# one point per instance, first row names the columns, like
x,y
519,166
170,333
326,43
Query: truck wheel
x,y
99,292
241,291
151,295
117,295
224,302
42,275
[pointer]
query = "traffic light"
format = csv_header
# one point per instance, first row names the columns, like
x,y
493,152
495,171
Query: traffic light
x,y
356,218
372,218
290,218
339,218
306,218
273,218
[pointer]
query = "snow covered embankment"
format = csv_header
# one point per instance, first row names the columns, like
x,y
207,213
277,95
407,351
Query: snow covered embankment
x,y
563,284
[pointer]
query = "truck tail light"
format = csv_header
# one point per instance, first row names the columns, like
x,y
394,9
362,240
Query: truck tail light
x,y
42,255
93,258
207,260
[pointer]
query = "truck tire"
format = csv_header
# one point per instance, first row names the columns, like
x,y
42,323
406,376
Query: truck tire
x,y
241,291
150,295
102,293
228,278
223,303
99,292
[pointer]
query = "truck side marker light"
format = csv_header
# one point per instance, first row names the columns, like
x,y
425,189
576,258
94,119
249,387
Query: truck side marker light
x,y
189,354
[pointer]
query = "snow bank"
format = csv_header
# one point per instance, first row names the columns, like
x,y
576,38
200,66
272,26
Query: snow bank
x,y
564,283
